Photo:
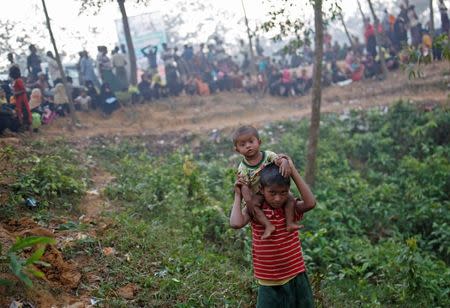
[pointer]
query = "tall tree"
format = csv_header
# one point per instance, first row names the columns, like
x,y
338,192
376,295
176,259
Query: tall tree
x,y
128,39
250,45
126,29
361,11
313,139
349,37
287,27
431,18
378,38
61,69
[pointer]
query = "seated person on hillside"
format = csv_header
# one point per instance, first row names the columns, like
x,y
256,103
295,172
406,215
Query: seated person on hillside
x,y
303,83
274,82
83,101
108,99
336,74
190,87
36,101
392,61
91,91
372,68
42,84
60,99
6,107
145,88
286,82
202,87
250,84
156,86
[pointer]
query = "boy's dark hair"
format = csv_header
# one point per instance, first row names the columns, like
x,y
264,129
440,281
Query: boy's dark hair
x,y
245,130
271,175
14,72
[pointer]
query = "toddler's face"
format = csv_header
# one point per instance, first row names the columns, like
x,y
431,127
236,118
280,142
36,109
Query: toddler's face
x,y
247,145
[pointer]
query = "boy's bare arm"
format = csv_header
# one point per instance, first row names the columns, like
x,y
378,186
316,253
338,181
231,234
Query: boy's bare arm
x,y
239,218
309,201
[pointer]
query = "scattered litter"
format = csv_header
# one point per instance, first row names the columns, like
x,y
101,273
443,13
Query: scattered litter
x,y
162,273
107,251
95,301
93,192
344,82
128,257
81,236
31,203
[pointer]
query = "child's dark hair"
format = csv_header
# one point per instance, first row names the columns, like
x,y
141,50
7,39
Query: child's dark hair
x,y
14,72
271,175
244,130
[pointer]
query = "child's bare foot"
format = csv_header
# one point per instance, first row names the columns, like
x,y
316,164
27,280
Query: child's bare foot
x,y
292,227
268,231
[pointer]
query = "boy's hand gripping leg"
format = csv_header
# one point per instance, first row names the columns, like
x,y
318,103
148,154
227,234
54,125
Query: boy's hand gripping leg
x,y
254,203
289,212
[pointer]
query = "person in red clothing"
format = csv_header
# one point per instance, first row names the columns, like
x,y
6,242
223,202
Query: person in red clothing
x,y
20,96
278,263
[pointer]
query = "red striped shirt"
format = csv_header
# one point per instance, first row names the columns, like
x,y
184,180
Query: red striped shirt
x,y
280,256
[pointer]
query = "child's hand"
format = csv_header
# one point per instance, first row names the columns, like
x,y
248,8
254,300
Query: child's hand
x,y
285,168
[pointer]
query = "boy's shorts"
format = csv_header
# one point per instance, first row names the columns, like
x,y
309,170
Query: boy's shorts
x,y
294,294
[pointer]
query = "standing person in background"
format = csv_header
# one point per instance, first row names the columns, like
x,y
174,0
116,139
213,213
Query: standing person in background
x,y
53,69
414,26
369,35
81,81
10,58
150,53
33,63
105,69
87,69
119,63
445,23
20,95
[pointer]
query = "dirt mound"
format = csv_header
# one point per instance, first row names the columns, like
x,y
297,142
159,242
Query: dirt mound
x,y
61,273
230,109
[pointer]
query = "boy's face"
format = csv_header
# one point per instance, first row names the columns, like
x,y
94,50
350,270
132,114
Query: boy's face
x,y
275,195
247,145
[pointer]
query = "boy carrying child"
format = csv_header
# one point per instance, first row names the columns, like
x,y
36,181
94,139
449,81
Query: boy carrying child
x,y
277,259
247,143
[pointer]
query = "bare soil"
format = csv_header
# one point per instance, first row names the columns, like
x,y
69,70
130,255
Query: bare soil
x,y
226,110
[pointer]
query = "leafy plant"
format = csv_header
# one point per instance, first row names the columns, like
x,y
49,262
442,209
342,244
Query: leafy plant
x,y
23,268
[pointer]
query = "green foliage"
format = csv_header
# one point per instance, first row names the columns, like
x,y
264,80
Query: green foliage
x,y
53,177
379,235
24,268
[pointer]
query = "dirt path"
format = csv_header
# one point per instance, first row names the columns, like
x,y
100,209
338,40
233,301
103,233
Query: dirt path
x,y
224,110
73,274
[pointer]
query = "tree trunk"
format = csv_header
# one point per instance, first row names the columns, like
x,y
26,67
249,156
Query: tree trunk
x,y
61,69
128,39
384,71
361,11
250,44
431,19
313,139
349,37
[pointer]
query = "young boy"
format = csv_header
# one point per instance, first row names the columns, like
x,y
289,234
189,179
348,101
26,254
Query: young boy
x,y
247,143
278,261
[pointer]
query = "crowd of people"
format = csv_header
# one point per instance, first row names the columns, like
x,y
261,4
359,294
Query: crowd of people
x,y
42,96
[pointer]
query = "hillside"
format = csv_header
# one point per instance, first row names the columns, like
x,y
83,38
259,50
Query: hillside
x,y
138,203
